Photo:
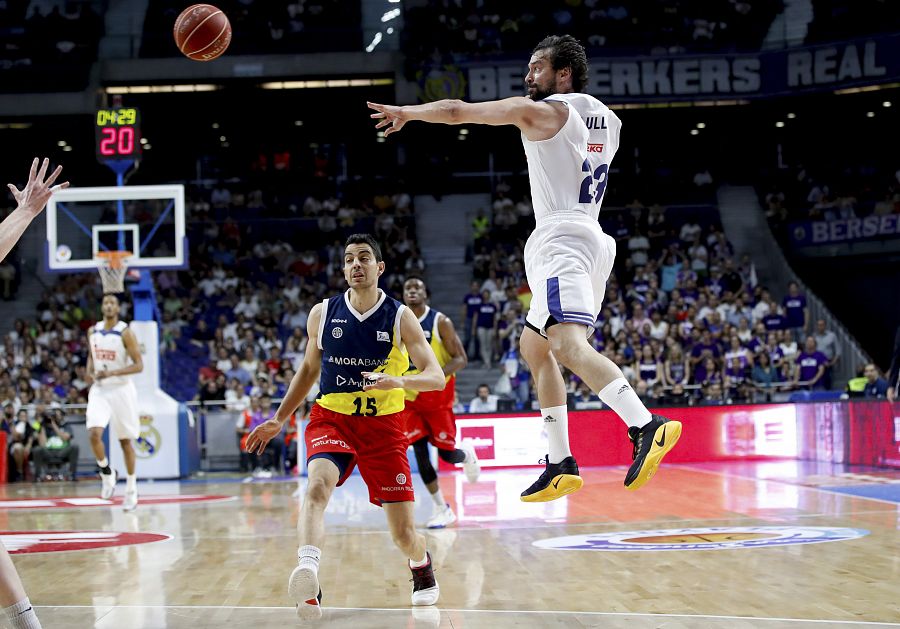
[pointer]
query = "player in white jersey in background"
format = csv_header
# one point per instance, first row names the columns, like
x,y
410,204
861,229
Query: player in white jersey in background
x,y
30,202
570,139
113,397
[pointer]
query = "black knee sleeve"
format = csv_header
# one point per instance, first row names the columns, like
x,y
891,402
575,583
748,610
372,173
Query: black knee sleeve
x,y
452,456
426,469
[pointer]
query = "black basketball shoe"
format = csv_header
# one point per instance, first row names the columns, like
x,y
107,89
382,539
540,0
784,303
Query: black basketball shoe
x,y
651,443
557,480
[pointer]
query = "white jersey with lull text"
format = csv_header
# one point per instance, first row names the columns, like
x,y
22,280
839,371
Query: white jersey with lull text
x,y
108,352
568,172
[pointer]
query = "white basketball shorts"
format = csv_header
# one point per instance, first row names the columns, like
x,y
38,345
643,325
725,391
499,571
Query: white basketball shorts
x,y
116,404
568,259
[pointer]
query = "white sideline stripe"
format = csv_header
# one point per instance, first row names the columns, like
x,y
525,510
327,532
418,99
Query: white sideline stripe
x,y
567,612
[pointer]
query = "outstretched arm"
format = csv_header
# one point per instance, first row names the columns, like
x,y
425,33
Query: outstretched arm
x,y
537,120
29,203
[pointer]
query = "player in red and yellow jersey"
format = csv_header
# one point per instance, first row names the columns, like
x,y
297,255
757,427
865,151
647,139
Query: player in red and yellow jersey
x,y
360,343
429,414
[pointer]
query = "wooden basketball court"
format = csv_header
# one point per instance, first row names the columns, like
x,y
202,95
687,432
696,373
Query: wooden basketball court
x,y
224,561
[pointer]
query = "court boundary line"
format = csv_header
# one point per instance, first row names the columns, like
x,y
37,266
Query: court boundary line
x,y
490,611
687,466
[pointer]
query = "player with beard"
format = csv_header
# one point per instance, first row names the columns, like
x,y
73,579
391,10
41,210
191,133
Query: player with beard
x,y
570,139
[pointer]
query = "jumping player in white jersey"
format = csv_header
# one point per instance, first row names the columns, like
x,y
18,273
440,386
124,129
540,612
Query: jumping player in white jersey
x,y
570,139
113,397
30,202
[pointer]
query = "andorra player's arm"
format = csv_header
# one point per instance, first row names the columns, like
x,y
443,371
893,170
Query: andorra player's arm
x,y
538,120
297,390
430,378
458,359
29,203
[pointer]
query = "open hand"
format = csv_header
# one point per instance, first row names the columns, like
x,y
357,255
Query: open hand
x,y
389,116
37,191
262,435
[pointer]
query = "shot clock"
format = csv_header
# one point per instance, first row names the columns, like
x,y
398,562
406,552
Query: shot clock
x,y
118,134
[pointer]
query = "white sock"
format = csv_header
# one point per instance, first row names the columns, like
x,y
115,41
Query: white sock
x,y
556,423
438,498
308,557
620,397
131,482
101,463
21,615
419,564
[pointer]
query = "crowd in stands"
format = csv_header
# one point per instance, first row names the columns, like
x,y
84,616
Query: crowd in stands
x,y
270,27
684,317
443,30
826,194
48,44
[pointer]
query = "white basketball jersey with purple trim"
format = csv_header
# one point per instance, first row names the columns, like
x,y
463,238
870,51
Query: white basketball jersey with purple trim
x,y
568,172
108,352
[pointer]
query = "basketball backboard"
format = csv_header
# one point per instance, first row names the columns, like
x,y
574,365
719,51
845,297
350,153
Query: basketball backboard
x,y
145,220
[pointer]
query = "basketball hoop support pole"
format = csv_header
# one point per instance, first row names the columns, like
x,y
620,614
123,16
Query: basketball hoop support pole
x,y
142,294
120,167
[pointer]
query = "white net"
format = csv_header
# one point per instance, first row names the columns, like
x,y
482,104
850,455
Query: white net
x,y
112,266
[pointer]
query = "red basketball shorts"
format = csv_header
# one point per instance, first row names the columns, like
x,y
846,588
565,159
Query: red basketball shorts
x,y
376,444
431,415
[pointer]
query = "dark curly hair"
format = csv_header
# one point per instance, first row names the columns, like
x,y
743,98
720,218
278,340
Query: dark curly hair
x,y
567,52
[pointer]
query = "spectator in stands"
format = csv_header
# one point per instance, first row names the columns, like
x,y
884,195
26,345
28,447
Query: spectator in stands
x,y
23,440
765,375
675,368
826,342
713,395
648,367
795,310
638,247
894,370
54,444
236,398
236,371
677,396
471,303
705,348
484,402
810,366
876,386
485,328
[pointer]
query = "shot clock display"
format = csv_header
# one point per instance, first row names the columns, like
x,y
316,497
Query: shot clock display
x,y
118,134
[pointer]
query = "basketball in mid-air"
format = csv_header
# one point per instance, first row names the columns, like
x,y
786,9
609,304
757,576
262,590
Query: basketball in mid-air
x,y
202,32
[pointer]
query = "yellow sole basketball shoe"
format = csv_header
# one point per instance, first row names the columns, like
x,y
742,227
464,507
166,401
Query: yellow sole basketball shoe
x,y
651,444
556,481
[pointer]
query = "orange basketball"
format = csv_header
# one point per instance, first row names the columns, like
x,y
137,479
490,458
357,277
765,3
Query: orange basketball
x,y
202,32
